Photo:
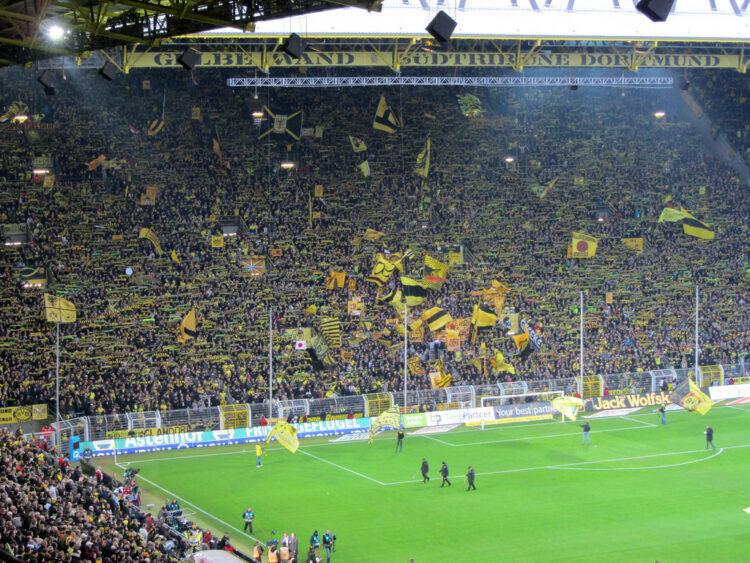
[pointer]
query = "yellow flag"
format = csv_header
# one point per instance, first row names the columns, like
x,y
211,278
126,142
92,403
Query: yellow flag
x,y
154,127
389,419
385,119
175,258
372,234
583,246
217,241
151,235
286,434
690,397
568,406
58,310
499,363
436,318
188,327
365,169
423,161
358,145
634,243
435,272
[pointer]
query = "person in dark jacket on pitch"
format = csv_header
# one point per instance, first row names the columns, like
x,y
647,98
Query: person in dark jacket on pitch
x,y
470,479
425,468
444,473
709,437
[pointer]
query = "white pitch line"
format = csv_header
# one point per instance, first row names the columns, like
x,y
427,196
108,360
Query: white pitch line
x,y
719,451
567,465
549,436
342,467
198,508
638,421
429,437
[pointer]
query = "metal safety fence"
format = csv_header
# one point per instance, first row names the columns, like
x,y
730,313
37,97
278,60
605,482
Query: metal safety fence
x,y
238,415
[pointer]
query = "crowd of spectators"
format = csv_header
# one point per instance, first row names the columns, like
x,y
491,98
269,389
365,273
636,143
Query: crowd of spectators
x,y
50,511
608,153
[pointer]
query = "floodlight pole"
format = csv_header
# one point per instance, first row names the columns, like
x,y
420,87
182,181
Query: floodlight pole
x,y
270,364
580,361
698,382
57,375
406,371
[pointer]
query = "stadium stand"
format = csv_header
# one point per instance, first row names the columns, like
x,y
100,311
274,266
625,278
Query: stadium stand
x,y
608,154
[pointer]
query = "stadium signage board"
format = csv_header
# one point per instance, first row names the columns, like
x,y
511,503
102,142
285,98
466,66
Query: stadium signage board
x,y
628,401
414,420
9,415
460,416
721,392
232,436
533,411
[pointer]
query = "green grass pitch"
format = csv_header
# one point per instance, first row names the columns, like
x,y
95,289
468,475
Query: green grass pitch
x,y
640,492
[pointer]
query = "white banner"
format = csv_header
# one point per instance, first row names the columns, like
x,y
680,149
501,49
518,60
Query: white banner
x,y
729,391
460,416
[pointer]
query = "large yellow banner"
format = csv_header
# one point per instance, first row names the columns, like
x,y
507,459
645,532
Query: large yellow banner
x,y
259,60
11,415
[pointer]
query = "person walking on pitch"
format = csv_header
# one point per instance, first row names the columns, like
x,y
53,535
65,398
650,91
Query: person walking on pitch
x,y
709,437
400,439
258,455
444,473
248,517
470,479
661,410
586,429
425,468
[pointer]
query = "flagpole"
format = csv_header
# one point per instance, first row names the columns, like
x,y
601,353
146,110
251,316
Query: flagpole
x,y
580,361
57,388
270,364
406,371
697,381
57,374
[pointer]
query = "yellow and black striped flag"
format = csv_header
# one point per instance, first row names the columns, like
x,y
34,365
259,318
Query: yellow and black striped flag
x,y
482,316
414,291
436,318
395,299
385,119
331,329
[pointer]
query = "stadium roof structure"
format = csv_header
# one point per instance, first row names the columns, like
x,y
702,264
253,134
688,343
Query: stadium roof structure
x,y
38,29
516,34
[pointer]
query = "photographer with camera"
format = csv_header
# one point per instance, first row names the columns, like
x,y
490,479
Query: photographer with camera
x,y
329,542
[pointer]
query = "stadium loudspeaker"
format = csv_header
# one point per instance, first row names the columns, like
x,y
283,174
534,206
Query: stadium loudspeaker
x,y
189,59
441,27
655,10
294,46
46,80
109,70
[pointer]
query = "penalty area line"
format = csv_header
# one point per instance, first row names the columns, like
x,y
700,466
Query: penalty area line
x,y
572,465
718,452
341,467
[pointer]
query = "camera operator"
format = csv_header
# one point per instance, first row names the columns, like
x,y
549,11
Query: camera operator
x,y
329,542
